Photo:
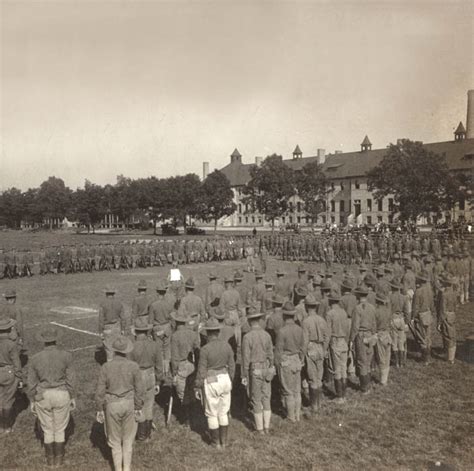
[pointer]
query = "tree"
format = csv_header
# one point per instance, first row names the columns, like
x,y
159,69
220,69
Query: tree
x,y
54,200
270,187
216,198
418,179
12,208
312,187
150,197
123,199
89,205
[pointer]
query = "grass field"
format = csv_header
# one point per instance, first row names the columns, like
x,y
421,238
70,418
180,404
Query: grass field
x,y
424,415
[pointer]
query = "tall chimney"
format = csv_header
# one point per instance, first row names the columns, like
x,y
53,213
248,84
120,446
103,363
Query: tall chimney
x,y
470,115
258,161
205,170
321,156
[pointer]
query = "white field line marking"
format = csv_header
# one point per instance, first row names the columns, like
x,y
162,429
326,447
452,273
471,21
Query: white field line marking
x,y
83,348
72,310
139,273
76,330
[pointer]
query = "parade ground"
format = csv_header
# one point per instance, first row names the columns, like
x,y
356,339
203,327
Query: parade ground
x,y
425,415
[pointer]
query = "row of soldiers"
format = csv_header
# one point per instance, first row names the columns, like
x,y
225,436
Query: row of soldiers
x,y
327,325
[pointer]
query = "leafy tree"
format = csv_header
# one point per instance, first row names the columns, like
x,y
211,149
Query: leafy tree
x,y
312,187
12,208
216,198
123,199
270,187
89,205
150,196
418,179
33,213
53,199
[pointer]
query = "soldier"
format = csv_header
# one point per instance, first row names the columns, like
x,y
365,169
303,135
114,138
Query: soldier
x,y
383,347
119,400
10,310
423,310
409,283
50,390
159,315
289,359
184,345
215,375
362,336
400,312
339,330
267,302
301,282
446,307
192,306
213,292
274,322
263,257
148,355
258,290
140,303
283,285
112,319
258,370
324,304
233,306
10,374
316,342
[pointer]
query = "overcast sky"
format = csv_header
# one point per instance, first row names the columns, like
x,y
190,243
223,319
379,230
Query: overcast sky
x,y
96,89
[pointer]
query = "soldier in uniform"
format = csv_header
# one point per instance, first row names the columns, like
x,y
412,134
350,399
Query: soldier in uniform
x,y
213,292
141,302
119,400
10,374
51,393
289,359
10,310
258,370
446,308
316,342
192,305
398,303
112,320
339,330
423,309
184,346
148,355
214,377
383,319
283,285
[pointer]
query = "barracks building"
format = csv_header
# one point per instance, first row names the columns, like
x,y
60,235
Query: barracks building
x,y
349,201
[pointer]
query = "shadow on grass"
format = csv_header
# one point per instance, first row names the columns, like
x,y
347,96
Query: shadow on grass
x,y
99,440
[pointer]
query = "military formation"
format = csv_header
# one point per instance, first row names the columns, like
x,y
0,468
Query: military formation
x,y
286,342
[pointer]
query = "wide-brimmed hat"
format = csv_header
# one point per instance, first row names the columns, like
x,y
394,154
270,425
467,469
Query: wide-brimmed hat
x,y
280,273
212,324
301,291
423,276
317,280
311,274
48,334
9,293
258,275
122,344
238,275
395,283
161,286
109,289
268,282
396,256
289,309
310,300
141,323
179,317
218,313
334,295
369,279
254,314
278,299
326,285
6,323
347,284
361,290
212,276
189,283
447,279
142,285
381,298
301,269
363,268
408,264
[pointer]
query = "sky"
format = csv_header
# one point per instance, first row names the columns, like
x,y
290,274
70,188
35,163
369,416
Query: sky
x,y
92,90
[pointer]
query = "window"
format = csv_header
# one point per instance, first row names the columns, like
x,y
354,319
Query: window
x,y
357,185
462,205
253,219
390,218
380,205
341,219
379,218
290,204
332,186
333,219
291,219
333,206
283,219
246,208
240,208
298,206
246,219
342,185
341,206
260,220
240,220
357,208
323,218
299,219
369,205
369,219
390,204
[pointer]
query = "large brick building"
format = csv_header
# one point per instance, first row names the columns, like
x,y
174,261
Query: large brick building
x,y
349,200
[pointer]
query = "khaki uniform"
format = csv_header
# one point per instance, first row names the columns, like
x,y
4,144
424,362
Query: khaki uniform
x,y
10,374
339,329
316,338
112,322
363,329
383,318
422,313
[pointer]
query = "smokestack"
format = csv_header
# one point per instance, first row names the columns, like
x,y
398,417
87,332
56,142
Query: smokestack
x,y
205,170
470,115
258,161
321,156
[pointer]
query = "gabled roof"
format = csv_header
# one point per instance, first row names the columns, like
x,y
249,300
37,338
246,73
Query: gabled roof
x,y
460,129
357,164
297,150
366,141
236,153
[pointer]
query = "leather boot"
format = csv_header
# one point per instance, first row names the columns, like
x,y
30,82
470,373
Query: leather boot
x,y
319,397
313,396
223,429
49,453
215,439
338,388
59,452
150,428
404,358
451,354
7,420
344,387
290,409
141,432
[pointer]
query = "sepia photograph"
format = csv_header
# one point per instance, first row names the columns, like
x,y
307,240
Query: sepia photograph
x,y
236,235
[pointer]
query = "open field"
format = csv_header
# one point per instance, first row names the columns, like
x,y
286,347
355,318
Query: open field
x,y
426,414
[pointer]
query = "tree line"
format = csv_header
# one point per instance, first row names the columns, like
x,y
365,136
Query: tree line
x,y
419,181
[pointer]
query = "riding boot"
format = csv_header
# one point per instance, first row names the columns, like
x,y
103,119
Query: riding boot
x,y
344,387
7,420
141,431
149,428
338,389
59,452
290,408
215,439
319,397
223,429
49,453
313,395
